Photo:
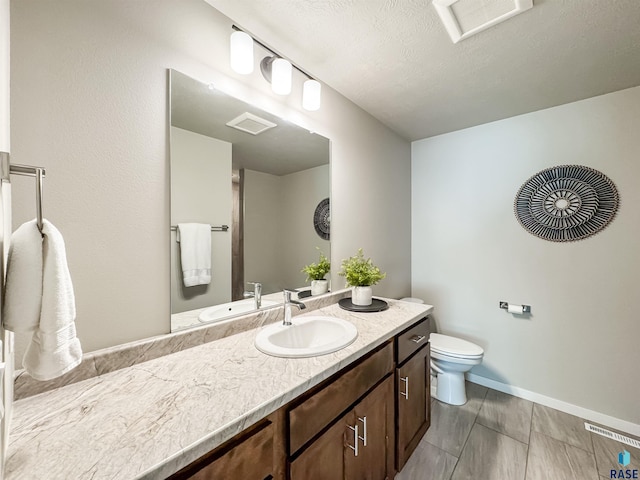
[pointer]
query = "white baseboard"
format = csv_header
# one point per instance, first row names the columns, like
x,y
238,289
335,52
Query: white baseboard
x,y
581,412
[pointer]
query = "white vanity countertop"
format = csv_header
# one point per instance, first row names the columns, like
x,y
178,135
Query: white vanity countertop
x,y
151,419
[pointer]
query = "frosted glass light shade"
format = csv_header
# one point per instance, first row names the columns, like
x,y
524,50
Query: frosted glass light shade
x,y
241,53
281,76
311,95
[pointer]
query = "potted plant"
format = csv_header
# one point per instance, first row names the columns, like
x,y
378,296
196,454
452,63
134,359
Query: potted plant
x,y
360,273
316,272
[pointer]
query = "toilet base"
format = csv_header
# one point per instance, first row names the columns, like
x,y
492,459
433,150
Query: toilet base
x,y
451,388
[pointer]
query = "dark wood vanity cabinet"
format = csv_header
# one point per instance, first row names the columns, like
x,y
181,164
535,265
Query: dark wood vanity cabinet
x,y
249,456
357,447
345,429
413,396
374,416
362,423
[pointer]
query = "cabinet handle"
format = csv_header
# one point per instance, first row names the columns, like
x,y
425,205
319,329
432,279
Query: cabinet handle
x,y
405,394
355,438
364,430
417,338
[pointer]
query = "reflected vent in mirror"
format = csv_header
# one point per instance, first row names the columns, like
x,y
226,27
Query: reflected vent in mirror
x,y
250,123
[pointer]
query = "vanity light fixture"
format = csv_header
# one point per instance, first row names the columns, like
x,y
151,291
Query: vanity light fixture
x,y
241,52
275,69
281,76
311,95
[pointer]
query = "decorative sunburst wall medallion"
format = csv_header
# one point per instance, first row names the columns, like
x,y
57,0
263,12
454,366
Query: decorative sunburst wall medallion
x,y
321,219
566,203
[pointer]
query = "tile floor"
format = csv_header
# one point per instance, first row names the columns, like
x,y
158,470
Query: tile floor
x,y
496,436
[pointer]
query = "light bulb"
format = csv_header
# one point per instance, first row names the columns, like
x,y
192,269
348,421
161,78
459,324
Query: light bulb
x,y
281,76
311,95
241,53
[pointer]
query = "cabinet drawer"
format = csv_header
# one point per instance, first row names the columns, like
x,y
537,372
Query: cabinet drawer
x,y
411,340
317,411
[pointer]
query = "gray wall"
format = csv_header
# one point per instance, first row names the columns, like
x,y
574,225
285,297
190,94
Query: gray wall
x,y
301,193
262,231
278,223
469,252
201,193
89,103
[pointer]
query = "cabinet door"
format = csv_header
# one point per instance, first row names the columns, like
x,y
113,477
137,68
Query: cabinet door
x,y
309,417
324,459
232,463
374,419
347,452
413,403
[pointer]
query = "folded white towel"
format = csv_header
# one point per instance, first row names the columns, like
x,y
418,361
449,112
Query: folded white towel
x,y
195,253
39,298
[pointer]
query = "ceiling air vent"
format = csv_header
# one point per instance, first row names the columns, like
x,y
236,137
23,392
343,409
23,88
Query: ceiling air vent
x,y
250,123
463,18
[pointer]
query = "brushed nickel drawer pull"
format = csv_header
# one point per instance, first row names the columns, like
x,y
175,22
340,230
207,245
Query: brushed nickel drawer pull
x,y
355,438
364,430
418,338
405,394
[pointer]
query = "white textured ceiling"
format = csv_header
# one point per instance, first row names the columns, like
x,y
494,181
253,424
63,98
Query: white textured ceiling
x,y
394,58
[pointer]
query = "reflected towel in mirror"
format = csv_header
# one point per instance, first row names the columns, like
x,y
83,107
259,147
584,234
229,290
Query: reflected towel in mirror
x,y
195,253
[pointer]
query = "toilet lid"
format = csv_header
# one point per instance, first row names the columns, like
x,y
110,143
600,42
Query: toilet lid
x,y
454,346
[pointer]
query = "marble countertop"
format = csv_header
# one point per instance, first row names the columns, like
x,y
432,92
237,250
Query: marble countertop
x,y
151,419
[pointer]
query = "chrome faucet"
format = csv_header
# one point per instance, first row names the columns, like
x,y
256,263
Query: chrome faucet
x,y
287,305
256,294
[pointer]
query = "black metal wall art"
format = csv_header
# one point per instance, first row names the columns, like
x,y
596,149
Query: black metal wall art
x,y
566,203
321,219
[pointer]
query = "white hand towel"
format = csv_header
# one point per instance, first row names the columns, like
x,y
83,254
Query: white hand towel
x,y
195,253
23,291
39,297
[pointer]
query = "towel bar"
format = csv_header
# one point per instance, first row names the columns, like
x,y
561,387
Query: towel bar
x,y
29,171
221,228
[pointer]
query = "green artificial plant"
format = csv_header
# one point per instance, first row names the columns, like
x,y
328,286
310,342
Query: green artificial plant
x,y
317,271
360,272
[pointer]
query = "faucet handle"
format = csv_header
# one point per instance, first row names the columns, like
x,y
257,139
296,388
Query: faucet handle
x,y
287,293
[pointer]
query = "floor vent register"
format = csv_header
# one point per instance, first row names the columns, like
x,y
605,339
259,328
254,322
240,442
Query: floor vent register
x,y
612,435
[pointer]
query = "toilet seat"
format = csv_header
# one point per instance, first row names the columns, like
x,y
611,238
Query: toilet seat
x,y
446,346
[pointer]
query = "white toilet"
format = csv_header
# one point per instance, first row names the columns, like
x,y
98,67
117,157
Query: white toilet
x,y
450,358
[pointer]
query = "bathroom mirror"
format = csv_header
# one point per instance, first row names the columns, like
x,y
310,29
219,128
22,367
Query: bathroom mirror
x,y
236,165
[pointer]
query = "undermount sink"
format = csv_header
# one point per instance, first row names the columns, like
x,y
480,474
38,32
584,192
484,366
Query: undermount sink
x,y
218,312
309,336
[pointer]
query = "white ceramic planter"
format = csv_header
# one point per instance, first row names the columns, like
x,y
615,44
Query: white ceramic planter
x,y
318,287
361,296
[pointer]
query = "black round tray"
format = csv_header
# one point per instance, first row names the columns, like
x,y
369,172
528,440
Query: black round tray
x,y
377,305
